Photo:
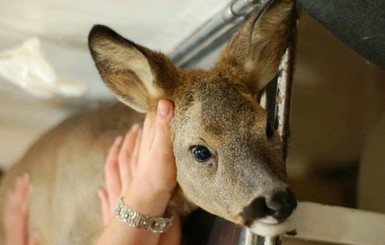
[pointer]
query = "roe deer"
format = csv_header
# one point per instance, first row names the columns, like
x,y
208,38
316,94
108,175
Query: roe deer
x,y
229,162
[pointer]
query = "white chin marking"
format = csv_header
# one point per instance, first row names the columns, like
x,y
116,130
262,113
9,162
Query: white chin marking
x,y
267,228
268,220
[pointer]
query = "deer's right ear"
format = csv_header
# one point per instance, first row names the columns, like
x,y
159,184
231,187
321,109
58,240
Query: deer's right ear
x,y
138,76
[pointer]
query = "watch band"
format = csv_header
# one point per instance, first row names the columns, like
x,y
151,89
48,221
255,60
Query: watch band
x,y
138,220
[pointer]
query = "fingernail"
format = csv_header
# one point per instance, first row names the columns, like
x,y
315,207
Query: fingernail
x,y
20,180
163,109
135,127
25,178
118,140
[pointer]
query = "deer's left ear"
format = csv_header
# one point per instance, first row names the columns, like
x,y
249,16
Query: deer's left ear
x,y
138,76
256,49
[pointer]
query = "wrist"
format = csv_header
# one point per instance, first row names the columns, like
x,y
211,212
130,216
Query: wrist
x,y
147,202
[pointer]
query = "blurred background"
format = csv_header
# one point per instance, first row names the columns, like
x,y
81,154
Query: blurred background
x,y
337,149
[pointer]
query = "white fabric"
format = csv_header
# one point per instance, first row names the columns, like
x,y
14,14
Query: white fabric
x,y
27,67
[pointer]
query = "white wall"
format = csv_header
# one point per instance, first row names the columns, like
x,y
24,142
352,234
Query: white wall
x,y
337,98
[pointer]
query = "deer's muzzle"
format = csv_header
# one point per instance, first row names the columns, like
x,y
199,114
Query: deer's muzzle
x,y
279,207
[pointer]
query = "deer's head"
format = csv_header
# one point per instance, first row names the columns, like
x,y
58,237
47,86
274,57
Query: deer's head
x,y
229,161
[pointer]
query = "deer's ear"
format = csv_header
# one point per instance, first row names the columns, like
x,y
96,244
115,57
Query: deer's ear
x,y
138,76
256,49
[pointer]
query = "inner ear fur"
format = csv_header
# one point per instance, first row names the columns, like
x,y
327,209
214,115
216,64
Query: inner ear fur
x,y
256,49
138,76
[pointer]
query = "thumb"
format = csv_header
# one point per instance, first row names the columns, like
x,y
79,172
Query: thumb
x,y
162,140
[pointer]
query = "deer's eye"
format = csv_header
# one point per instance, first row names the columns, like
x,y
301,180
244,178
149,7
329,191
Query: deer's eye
x,y
201,153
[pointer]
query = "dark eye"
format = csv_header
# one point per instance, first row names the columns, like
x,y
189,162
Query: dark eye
x,y
269,130
201,153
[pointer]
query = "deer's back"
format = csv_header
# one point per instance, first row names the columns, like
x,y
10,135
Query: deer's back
x,y
66,169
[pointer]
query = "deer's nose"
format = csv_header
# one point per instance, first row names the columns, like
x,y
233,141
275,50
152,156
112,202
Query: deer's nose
x,y
280,206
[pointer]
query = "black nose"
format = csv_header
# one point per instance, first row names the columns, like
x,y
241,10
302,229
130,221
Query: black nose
x,y
280,207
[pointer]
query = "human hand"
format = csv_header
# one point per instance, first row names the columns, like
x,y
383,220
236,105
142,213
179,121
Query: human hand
x,y
118,170
153,166
141,168
16,214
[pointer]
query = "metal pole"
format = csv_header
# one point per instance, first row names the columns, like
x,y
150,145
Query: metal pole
x,y
216,31
283,95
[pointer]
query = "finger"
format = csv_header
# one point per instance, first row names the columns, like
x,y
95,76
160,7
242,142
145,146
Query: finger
x,y
148,132
15,196
162,139
26,193
173,235
112,175
14,201
19,196
16,212
21,188
106,211
113,153
126,154
135,153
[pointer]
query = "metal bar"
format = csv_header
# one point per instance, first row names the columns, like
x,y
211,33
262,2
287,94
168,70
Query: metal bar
x,y
222,24
331,224
251,239
283,96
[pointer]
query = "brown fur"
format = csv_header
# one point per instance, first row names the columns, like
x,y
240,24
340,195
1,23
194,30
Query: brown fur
x,y
215,108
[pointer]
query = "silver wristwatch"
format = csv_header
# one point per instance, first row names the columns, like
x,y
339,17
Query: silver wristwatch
x,y
138,220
